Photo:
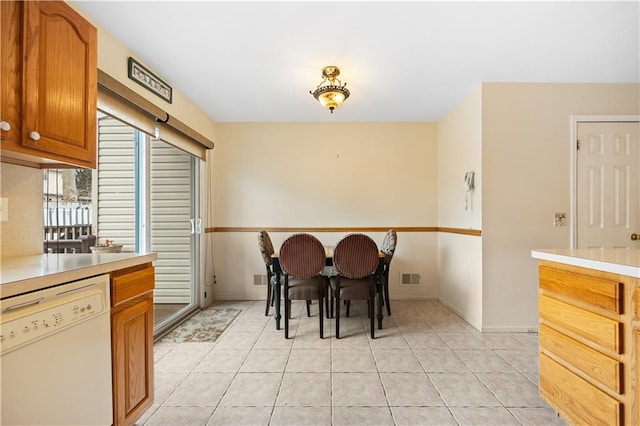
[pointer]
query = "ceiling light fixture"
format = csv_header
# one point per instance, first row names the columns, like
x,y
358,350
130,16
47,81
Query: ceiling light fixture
x,y
331,92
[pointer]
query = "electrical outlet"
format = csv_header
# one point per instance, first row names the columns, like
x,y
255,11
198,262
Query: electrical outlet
x,y
560,219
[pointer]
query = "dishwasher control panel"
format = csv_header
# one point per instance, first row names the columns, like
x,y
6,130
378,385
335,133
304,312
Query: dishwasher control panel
x,y
34,316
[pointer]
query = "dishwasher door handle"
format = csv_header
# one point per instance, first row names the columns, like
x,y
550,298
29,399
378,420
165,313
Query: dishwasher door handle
x,y
23,305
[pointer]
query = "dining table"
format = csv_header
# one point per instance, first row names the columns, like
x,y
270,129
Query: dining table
x,y
328,271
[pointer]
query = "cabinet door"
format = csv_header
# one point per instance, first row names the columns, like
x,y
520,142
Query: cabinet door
x,y
60,83
636,401
11,72
132,352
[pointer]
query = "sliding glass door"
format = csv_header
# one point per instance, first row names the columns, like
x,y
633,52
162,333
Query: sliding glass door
x,y
173,230
146,198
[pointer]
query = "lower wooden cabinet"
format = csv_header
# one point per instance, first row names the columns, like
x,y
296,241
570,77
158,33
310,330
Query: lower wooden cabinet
x,y
589,344
132,342
575,397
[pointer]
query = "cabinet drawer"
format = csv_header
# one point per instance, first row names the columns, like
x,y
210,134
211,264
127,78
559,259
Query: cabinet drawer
x,y
130,283
601,292
574,397
594,364
602,331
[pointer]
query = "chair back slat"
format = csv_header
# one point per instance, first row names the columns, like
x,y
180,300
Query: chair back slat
x,y
266,247
302,256
389,245
356,256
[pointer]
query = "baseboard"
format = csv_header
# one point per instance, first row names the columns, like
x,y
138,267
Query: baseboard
x,y
460,314
479,327
510,329
415,298
491,329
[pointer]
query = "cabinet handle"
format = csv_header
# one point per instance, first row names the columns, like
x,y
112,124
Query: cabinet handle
x,y
5,126
635,237
34,135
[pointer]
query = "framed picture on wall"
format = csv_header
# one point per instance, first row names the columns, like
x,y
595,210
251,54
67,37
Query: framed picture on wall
x,y
149,80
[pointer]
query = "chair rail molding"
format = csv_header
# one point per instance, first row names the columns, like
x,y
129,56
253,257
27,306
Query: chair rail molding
x,y
450,230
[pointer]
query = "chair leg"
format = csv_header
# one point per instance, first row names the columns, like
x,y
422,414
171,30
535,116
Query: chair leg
x,y
320,313
287,307
337,294
386,292
327,295
333,301
308,308
372,299
348,307
326,302
269,297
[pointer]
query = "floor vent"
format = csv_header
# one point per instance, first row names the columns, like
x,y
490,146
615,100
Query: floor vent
x,y
260,279
409,279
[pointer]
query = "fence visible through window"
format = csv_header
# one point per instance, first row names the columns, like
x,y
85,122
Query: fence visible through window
x,y
67,211
68,230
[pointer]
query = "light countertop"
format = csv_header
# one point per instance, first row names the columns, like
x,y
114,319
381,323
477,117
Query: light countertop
x,y
617,261
24,274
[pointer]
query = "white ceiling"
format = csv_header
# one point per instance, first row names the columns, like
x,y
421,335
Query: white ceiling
x,y
402,61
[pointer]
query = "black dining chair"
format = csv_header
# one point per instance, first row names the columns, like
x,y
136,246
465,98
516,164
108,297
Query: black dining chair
x,y
266,250
388,248
355,259
302,258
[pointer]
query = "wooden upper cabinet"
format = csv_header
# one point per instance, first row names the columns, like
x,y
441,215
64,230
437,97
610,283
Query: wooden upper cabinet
x,y
58,93
11,73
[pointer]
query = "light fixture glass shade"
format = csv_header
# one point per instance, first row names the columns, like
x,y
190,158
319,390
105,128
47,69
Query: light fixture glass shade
x,y
331,92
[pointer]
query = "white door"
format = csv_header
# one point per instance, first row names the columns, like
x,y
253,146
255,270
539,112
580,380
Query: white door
x,y
608,184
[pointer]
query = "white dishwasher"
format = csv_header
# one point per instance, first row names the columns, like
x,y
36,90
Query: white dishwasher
x,y
55,357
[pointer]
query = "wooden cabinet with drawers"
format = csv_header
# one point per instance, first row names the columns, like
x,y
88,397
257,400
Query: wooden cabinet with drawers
x,y
588,358
49,85
635,408
132,342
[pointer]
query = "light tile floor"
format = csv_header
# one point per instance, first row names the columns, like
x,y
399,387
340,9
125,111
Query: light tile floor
x,y
426,367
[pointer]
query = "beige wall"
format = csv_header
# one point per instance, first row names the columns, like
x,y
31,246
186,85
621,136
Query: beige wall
x,y
516,136
112,59
526,151
23,233
324,175
389,175
460,256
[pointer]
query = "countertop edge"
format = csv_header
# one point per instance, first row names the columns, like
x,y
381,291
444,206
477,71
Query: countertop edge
x,y
100,264
578,258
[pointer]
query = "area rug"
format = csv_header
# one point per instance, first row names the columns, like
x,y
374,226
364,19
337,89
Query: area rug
x,y
204,326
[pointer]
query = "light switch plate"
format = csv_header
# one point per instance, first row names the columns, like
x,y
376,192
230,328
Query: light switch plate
x,y
4,209
560,219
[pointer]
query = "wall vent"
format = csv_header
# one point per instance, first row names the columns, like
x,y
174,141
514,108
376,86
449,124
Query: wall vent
x,y
409,279
260,279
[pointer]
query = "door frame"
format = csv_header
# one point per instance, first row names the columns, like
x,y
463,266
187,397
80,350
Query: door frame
x,y
575,120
